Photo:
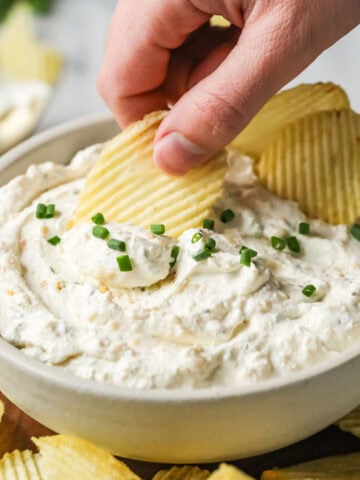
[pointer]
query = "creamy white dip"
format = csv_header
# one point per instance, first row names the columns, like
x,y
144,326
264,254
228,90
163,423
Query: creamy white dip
x,y
210,323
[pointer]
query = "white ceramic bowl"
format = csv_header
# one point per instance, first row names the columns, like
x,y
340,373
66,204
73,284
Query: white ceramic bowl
x,y
168,426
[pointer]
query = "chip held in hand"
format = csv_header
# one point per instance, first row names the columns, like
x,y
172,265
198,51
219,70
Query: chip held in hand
x,y
127,187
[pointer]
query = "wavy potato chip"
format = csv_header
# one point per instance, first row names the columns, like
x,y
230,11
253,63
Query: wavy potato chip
x,y
22,56
126,186
229,472
20,466
71,458
340,467
182,473
351,422
285,107
315,161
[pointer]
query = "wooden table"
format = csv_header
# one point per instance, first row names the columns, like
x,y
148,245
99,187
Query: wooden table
x,y
17,428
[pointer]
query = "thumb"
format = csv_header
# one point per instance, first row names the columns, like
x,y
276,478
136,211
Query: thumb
x,y
272,49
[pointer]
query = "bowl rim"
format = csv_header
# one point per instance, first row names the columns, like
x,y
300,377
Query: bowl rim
x,y
64,379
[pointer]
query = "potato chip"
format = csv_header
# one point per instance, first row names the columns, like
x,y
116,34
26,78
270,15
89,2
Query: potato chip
x,y
229,472
182,473
2,410
285,107
219,21
20,466
126,186
351,422
71,458
340,467
22,56
315,161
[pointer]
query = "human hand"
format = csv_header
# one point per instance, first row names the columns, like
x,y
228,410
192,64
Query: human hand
x,y
164,51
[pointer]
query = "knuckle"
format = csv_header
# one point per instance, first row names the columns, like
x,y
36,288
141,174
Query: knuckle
x,y
223,118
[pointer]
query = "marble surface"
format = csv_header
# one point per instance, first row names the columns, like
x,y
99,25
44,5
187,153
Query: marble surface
x,y
78,28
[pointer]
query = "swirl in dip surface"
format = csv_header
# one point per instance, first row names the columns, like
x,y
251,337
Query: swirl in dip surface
x,y
198,324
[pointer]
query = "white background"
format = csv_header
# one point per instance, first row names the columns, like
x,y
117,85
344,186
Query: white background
x,y
78,28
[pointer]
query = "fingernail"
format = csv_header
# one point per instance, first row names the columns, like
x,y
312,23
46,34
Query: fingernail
x,y
176,155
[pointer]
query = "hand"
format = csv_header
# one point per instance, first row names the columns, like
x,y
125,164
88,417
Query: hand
x,y
164,51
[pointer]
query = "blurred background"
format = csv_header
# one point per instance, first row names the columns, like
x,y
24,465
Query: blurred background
x,y
76,29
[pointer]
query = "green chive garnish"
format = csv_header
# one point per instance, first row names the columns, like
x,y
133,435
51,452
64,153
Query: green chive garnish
x,y
210,244
227,215
118,245
355,231
196,237
50,211
100,232
174,254
245,257
304,228
202,255
209,224
99,219
158,229
252,253
278,243
293,244
308,290
124,263
54,240
40,211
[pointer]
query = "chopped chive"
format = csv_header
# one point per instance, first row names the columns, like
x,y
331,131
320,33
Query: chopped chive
x,y
293,244
208,224
54,240
196,237
278,243
100,232
355,231
98,218
304,228
50,211
252,252
158,229
210,244
202,255
118,245
308,290
245,257
40,211
124,263
227,215
174,254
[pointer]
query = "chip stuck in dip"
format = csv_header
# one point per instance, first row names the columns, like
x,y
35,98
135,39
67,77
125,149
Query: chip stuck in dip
x,y
258,291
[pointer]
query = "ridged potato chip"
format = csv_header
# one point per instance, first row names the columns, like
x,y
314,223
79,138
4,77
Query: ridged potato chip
x,y
71,458
126,186
315,161
20,466
351,422
229,472
340,467
182,473
285,107
22,56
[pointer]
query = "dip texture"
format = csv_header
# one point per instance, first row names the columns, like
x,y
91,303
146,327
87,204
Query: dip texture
x,y
200,323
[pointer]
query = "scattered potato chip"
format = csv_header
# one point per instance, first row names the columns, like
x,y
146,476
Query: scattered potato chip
x,y
71,458
351,422
285,107
20,466
182,473
229,472
219,21
340,467
126,186
315,161
2,410
22,56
